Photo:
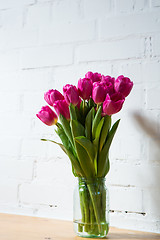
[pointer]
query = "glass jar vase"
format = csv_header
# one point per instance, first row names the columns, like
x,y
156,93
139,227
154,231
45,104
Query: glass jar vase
x,y
91,208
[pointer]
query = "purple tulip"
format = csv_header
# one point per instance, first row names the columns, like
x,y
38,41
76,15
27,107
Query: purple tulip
x,y
71,94
113,103
52,95
94,77
99,92
61,107
123,85
85,88
47,116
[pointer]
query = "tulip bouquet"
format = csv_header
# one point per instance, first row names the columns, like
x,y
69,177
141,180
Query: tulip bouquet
x,y
86,134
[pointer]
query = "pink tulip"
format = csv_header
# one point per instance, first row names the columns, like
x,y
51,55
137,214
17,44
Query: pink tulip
x,y
108,79
47,116
52,95
94,77
99,92
123,85
85,88
71,94
113,103
109,84
61,107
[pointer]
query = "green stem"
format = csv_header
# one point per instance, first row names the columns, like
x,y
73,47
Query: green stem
x,y
95,205
83,107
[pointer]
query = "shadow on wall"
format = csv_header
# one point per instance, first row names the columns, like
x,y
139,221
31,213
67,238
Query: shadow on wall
x,y
151,174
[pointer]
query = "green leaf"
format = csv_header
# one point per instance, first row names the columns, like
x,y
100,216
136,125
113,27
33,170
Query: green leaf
x,y
98,132
77,128
105,130
88,123
83,157
87,145
111,135
106,167
67,128
65,140
104,153
91,103
75,164
96,121
72,112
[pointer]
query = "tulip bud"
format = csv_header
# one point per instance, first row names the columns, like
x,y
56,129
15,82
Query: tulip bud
x,y
52,95
94,77
61,107
47,116
71,94
113,103
85,88
98,92
123,85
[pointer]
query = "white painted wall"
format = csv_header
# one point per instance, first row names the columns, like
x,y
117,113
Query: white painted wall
x,y
45,44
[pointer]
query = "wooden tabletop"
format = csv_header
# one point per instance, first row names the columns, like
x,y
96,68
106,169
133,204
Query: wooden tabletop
x,y
15,227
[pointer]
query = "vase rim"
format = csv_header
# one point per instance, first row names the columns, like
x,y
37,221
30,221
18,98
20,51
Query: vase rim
x,y
91,180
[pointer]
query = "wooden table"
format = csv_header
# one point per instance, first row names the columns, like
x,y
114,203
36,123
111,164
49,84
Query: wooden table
x,y
15,227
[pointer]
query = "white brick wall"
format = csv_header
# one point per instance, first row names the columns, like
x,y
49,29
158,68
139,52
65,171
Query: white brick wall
x,y
45,44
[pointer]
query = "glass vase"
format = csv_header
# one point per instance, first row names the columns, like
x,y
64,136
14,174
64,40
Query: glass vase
x,y
91,208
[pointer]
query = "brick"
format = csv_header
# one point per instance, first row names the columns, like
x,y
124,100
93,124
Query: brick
x,y
46,56
126,25
8,192
134,221
14,146
153,96
11,106
155,3
34,148
131,70
110,50
16,126
12,18
151,72
50,170
96,9
156,45
36,100
126,148
140,5
63,32
16,169
9,60
124,6
65,11
125,199
63,75
35,13
52,194
6,77
124,174
151,199
5,4
18,38
35,80
153,154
